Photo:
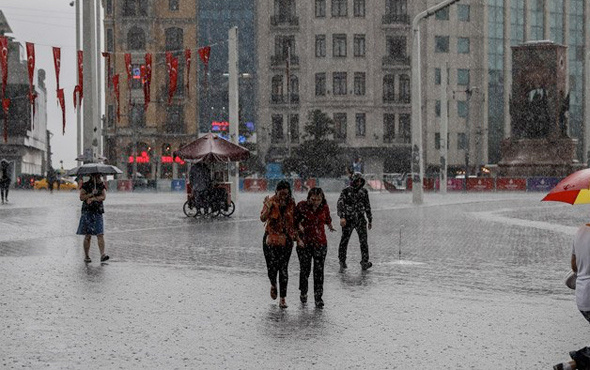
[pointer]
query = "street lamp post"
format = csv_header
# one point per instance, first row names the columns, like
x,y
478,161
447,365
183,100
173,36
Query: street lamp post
x,y
469,91
417,161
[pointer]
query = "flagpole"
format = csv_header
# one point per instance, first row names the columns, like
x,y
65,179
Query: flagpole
x,y
233,105
79,111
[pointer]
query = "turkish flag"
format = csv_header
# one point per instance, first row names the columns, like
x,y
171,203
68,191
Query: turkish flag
x,y
205,53
128,68
4,63
79,89
148,79
62,103
31,67
173,79
57,63
187,58
116,90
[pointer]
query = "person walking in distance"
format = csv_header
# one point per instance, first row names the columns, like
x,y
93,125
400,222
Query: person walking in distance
x,y
312,216
92,195
353,204
4,180
278,212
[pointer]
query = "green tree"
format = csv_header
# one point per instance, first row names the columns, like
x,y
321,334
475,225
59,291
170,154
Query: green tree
x,y
319,155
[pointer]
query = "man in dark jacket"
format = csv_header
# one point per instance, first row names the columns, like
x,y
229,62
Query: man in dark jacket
x,y
352,206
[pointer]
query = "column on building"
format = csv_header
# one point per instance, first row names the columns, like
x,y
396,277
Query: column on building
x,y
586,79
507,68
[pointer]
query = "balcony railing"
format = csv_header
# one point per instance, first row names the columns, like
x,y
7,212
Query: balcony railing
x,y
277,60
283,99
395,18
284,20
395,60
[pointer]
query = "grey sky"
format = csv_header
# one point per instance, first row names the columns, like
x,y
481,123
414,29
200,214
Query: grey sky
x,y
50,23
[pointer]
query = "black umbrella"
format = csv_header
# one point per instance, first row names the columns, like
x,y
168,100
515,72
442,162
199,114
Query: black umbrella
x,y
94,168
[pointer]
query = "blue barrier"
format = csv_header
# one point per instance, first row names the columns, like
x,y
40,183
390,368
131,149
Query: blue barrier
x,y
178,185
541,183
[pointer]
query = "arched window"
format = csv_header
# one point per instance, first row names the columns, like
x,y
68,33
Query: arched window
x,y
388,88
174,39
136,39
405,94
166,149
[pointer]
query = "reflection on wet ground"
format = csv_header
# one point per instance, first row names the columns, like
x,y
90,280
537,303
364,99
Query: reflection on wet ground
x,y
453,280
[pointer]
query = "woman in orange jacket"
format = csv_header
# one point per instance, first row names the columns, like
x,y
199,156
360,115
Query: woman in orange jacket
x,y
278,212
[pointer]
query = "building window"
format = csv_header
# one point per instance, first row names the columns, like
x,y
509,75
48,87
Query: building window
x,y
359,83
174,39
109,7
282,46
437,108
463,77
135,8
463,11
340,126
405,93
396,47
437,76
339,8
320,84
294,89
359,45
137,115
320,46
388,127
136,39
361,124
339,82
277,128
277,89
294,127
320,8
388,88
443,14
463,46
110,43
174,119
461,141
405,130
359,8
396,7
173,5
339,45
437,140
110,115
462,108
136,77
441,44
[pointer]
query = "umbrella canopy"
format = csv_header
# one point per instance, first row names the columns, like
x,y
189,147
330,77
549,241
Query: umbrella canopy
x,y
212,148
574,189
94,168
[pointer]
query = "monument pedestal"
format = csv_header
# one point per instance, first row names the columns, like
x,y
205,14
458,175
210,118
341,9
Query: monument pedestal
x,y
538,157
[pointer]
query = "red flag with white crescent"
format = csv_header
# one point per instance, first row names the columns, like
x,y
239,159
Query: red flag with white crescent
x,y
128,69
79,89
117,94
31,67
57,63
4,63
187,58
62,103
148,79
205,54
173,79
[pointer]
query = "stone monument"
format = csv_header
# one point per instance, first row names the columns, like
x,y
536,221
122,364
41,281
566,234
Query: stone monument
x,y
539,144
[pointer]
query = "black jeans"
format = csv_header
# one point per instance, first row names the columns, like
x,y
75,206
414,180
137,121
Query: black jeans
x,y
306,255
277,262
4,185
361,229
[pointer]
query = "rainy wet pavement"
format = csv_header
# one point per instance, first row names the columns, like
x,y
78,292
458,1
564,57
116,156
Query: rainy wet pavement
x,y
464,281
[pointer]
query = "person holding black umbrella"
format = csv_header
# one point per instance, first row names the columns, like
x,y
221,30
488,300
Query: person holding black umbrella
x,y
92,195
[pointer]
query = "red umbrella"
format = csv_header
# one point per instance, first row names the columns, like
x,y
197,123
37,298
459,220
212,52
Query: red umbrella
x,y
212,148
574,189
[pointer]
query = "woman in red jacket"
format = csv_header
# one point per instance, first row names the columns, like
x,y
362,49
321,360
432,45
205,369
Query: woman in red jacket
x,y
312,215
278,212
